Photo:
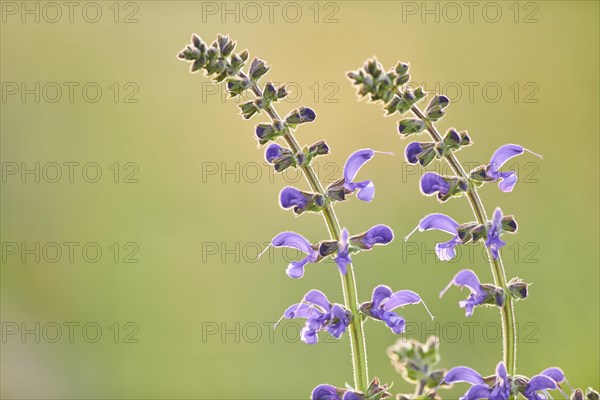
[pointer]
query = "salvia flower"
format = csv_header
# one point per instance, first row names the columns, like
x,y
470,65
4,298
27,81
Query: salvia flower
x,y
300,201
365,190
445,187
445,251
548,379
295,241
379,234
499,386
320,315
499,389
491,172
420,152
280,157
384,301
328,392
467,232
493,241
480,294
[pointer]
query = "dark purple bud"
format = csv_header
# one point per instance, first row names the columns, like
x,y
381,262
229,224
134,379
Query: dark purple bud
x,y
432,183
518,288
300,116
379,234
413,150
327,247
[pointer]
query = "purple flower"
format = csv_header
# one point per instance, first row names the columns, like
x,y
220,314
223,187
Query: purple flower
x,y
365,190
384,301
343,255
548,379
479,293
290,197
420,152
500,388
273,152
328,392
320,315
445,251
379,234
499,158
445,187
295,241
412,152
280,157
432,183
493,241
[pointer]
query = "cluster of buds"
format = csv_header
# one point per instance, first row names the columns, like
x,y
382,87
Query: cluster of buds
x,y
416,362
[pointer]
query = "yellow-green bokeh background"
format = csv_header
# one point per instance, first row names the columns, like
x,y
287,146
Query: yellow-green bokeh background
x,y
172,132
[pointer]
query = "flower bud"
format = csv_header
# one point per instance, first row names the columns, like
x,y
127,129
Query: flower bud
x,y
257,69
300,116
410,125
518,288
577,395
435,109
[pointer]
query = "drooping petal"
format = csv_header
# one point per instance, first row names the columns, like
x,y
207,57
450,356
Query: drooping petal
x,y
478,392
463,374
295,269
503,154
555,373
309,336
355,162
292,240
366,190
317,297
432,183
379,234
380,293
493,241
412,151
445,250
272,152
394,321
343,257
440,222
291,197
324,392
508,180
400,299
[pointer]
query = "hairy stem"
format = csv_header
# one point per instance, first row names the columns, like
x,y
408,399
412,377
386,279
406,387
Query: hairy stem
x,y
357,337
509,333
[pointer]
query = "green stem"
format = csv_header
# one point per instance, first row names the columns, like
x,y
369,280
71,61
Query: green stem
x,y
509,333
357,337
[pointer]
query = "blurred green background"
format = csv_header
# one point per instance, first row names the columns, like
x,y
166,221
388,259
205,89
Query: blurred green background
x,y
190,318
